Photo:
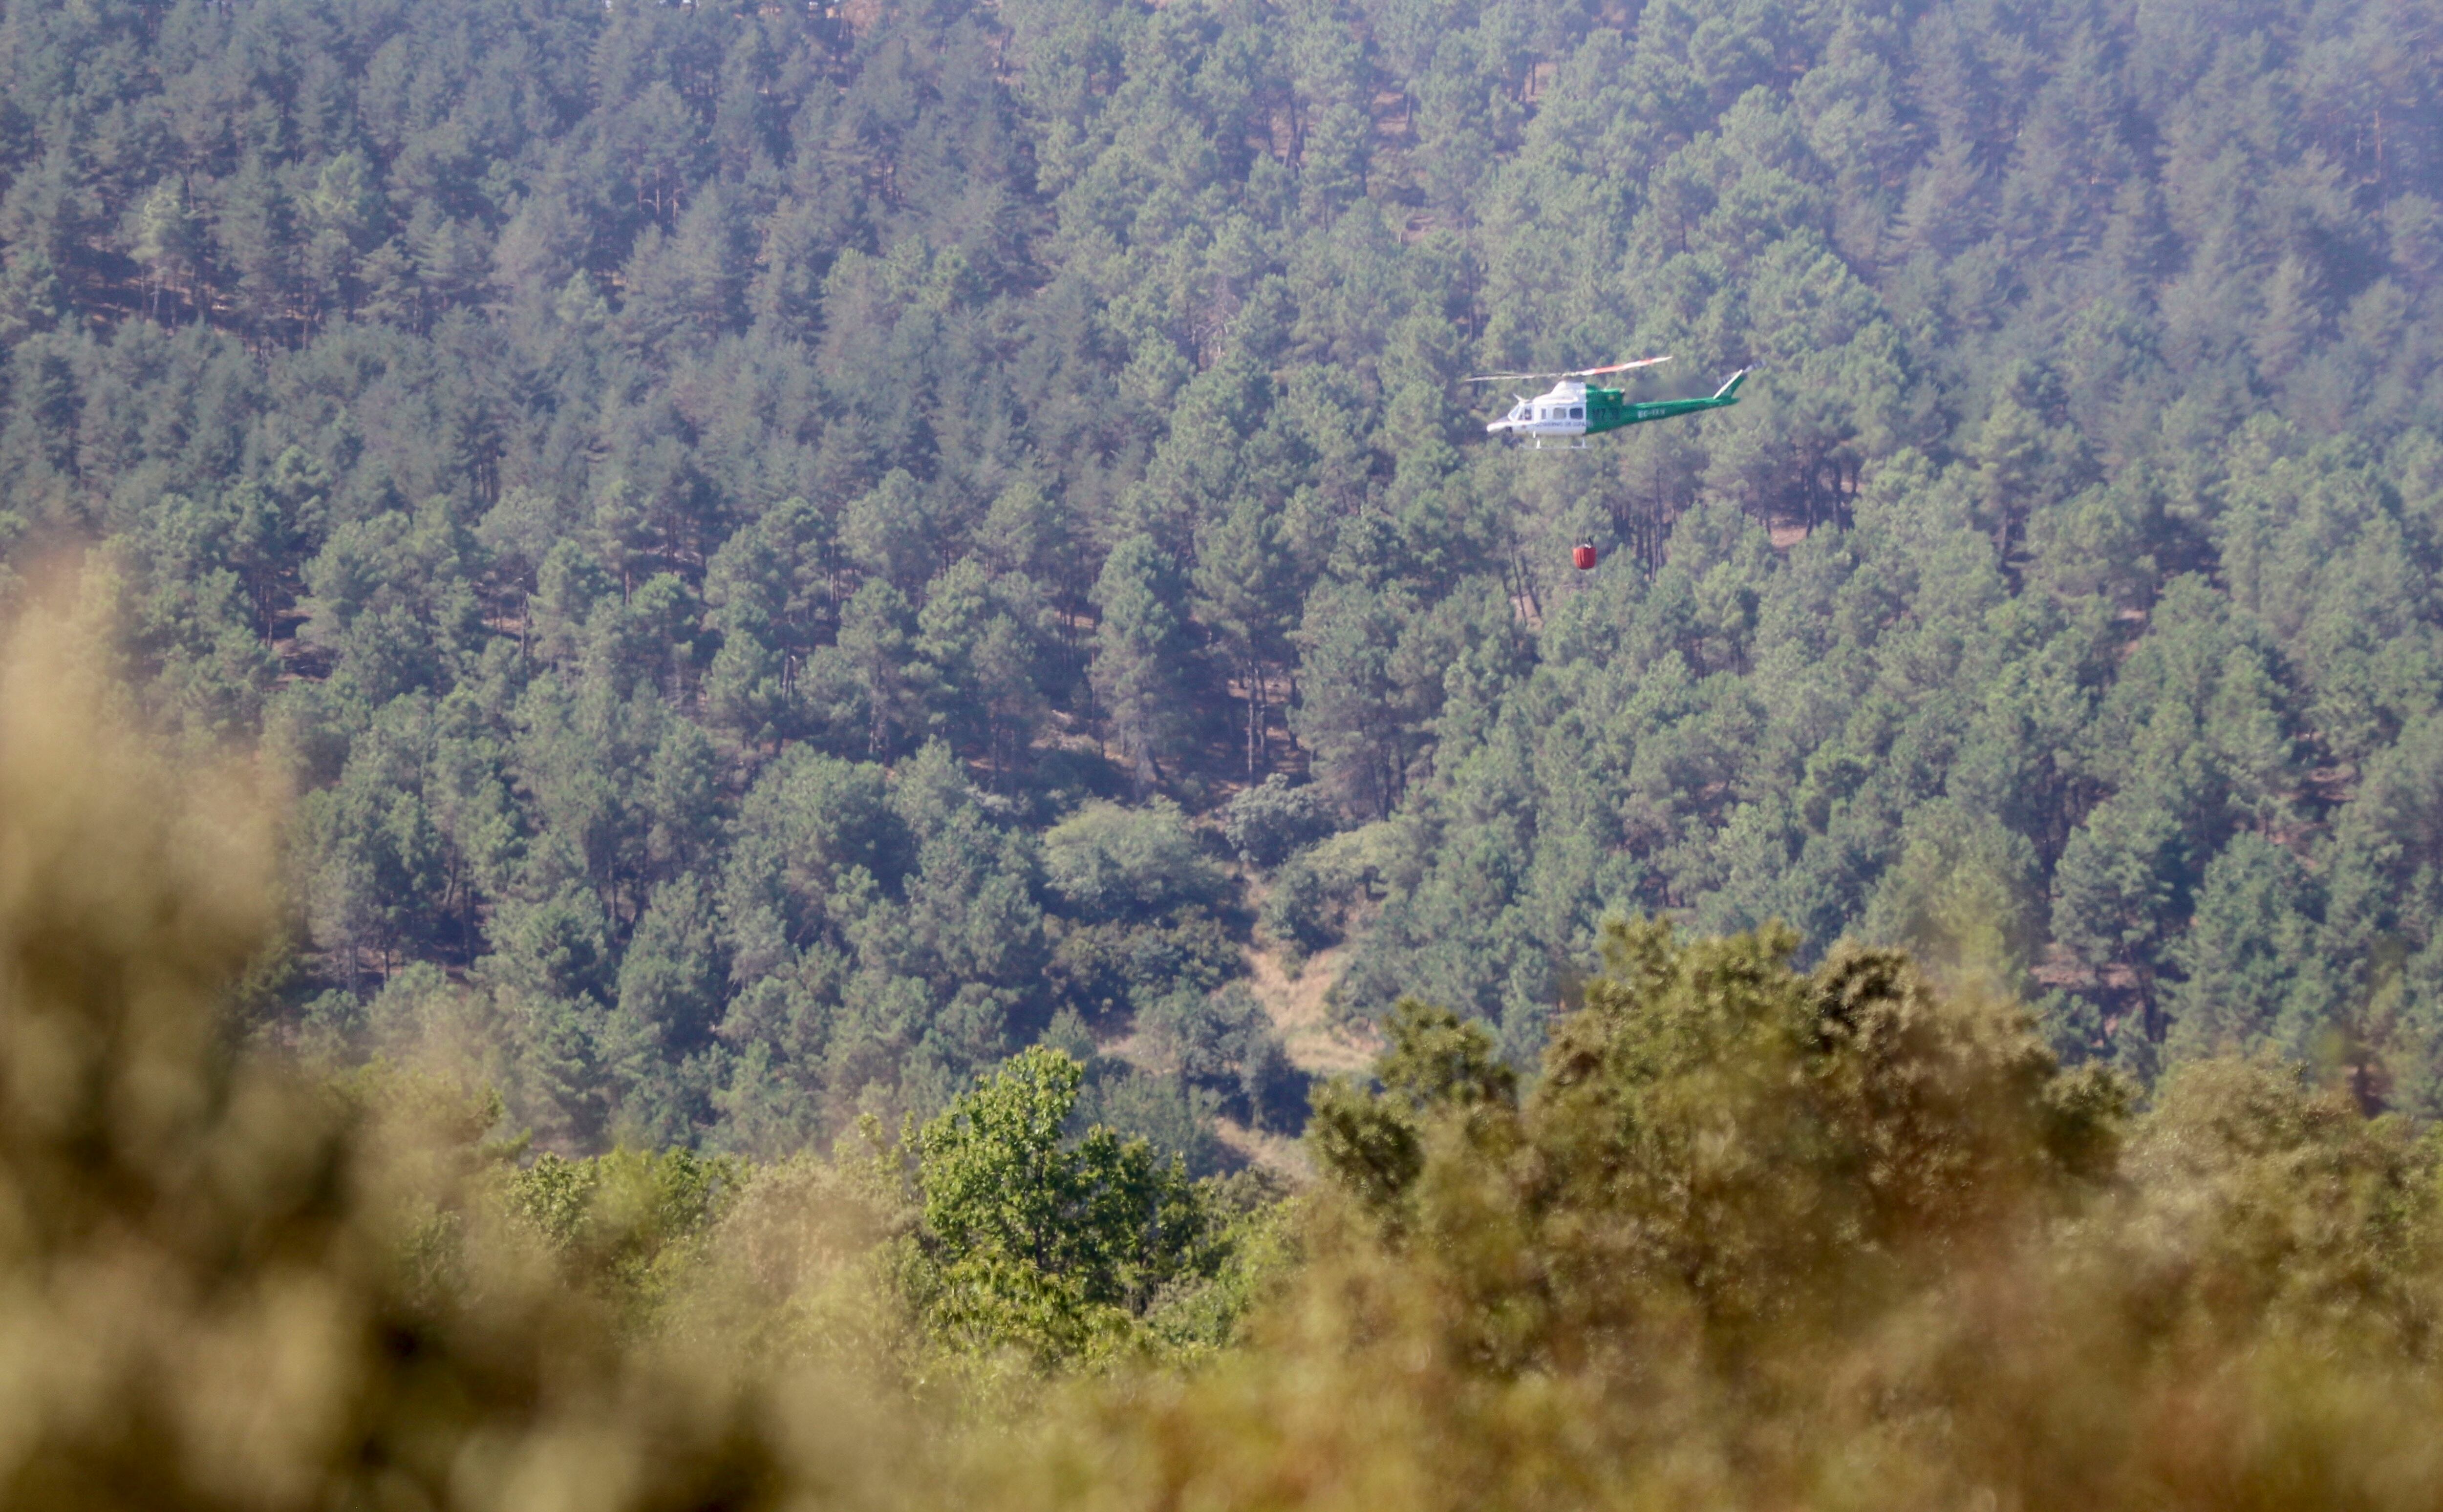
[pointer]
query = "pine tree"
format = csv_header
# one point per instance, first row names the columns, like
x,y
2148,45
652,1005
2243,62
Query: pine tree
x,y
1139,649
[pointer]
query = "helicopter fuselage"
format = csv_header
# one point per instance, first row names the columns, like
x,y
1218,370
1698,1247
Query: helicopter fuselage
x,y
1571,410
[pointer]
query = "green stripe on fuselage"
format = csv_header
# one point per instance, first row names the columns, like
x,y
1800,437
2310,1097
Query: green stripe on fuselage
x,y
1611,409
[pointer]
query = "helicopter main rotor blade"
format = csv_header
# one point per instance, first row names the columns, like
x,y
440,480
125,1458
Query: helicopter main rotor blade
x,y
1617,366
1575,372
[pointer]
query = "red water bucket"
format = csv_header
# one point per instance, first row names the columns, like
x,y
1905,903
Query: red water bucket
x,y
1585,558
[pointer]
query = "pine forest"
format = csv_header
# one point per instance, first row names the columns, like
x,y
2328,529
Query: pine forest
x,y
805,753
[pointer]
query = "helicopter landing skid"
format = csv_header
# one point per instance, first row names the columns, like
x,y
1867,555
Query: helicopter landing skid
x,y
1579,444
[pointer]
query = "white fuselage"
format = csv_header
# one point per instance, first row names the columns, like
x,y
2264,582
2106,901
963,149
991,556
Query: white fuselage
x,y
1559,412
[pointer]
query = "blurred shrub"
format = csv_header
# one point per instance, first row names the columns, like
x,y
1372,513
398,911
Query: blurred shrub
x,y
624,1222
1765,1238
225,1285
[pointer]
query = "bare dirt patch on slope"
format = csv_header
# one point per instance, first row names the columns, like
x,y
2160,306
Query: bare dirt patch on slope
x,y
1296,1006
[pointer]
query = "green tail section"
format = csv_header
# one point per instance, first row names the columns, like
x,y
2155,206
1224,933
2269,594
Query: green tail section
x,y
1609,408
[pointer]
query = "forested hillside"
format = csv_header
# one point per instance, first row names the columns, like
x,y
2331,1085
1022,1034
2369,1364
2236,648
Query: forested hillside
x,y
770,540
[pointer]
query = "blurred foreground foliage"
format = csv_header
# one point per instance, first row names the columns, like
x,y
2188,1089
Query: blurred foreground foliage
x,y
229,1281
1754,1236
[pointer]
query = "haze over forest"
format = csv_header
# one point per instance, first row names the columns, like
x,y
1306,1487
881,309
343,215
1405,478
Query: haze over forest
x,y
774,542
773,755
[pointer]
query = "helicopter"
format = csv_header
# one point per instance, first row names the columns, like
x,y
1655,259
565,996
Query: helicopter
x,y
1572,410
